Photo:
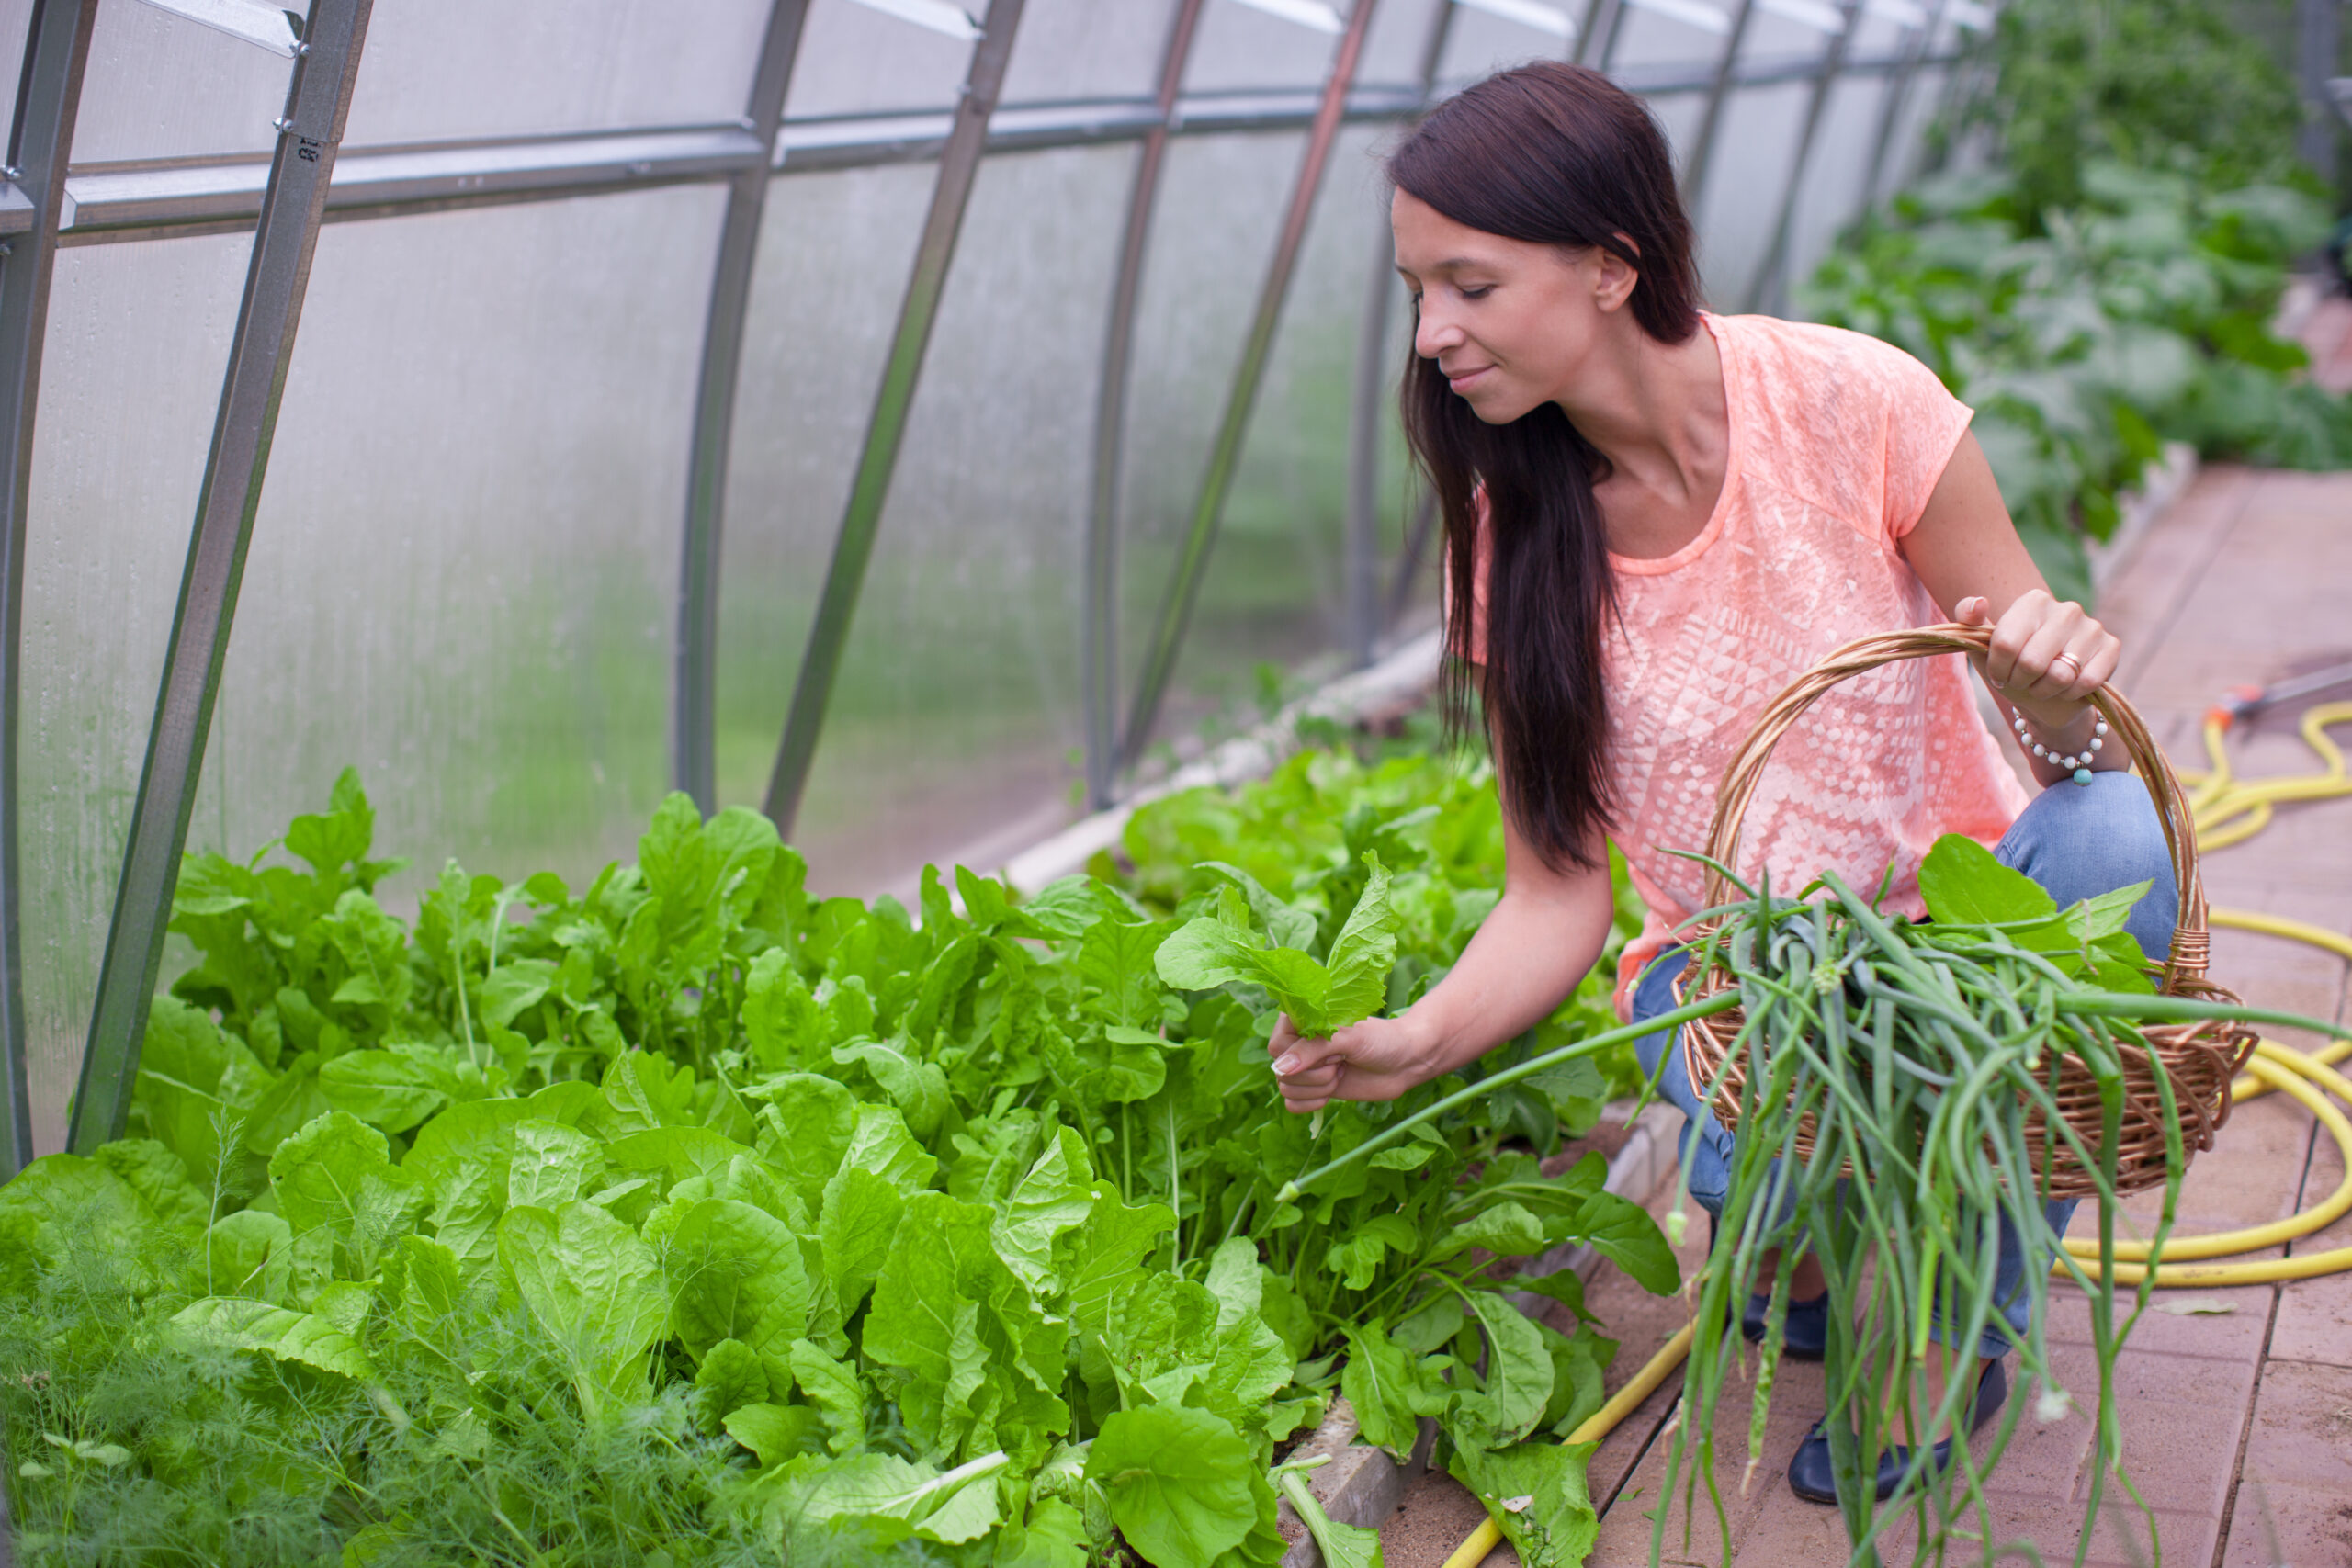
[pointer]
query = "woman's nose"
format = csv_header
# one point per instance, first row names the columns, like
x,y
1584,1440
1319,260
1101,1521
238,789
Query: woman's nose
x,y
1433,334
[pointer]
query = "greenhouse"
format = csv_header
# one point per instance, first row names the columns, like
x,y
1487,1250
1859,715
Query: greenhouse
x,y
1032,783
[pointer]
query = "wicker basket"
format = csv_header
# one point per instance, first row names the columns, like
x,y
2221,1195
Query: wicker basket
x,y
2199,1058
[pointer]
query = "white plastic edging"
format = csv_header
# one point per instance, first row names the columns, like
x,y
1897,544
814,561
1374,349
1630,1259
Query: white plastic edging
x,y
1410,668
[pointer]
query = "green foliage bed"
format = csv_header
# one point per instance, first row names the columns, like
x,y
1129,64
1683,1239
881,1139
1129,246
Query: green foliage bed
x,y
688,1218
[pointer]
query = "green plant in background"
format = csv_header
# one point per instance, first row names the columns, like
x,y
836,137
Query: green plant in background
x,y
2106,283
2139,317
2171,85
688,1218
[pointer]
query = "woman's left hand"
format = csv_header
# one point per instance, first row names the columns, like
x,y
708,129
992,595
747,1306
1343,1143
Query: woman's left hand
x,y
2047,656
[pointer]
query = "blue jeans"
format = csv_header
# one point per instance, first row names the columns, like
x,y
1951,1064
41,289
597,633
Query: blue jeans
x,y
2077,841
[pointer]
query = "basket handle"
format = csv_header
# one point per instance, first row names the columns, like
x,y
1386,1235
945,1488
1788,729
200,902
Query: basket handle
x,y
2190,942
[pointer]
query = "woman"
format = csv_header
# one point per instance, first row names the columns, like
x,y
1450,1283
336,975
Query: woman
x,y
1656,519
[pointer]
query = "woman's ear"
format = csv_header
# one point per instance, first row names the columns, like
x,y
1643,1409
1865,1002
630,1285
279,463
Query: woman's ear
x,y
1613,277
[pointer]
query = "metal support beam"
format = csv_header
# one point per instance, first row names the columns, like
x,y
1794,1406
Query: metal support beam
x,y
316,105
1225,456
1702,149
140,198
1916,42
694,702
1771,272
958,165
1100,634
48,99
1600,17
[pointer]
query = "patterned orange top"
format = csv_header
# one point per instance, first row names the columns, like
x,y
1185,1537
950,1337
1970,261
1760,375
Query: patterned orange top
x,y
1837,443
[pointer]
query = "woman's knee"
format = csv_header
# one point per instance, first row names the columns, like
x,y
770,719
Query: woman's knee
x,y
2081,840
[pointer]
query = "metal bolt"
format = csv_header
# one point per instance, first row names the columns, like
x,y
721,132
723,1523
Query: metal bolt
x,y
282,123
12,172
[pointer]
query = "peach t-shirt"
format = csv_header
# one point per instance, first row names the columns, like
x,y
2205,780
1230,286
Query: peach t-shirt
x,y
1837,442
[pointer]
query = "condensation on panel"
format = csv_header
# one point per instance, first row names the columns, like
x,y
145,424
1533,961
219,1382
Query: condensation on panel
x,y
459,68
956,721
16,22
856,59
1221,203
1756,140
138,339
835,250
1075,50
1272,596
160,85
465,565
1242,49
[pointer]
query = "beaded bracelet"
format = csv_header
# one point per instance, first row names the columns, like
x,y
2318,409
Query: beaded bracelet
x,y
2080,764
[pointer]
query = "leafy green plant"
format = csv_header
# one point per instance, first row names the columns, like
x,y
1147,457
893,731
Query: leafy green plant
x,y
1909,1056
2087,336
2174,85
691,1218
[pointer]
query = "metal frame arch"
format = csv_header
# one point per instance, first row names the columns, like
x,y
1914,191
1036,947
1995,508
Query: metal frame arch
x,y
49,97
693,704
1898,93
1224,455
853,547
1702,150
318,102
1771,272
1100,649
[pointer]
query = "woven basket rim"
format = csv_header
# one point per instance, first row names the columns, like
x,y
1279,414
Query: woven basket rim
x,y
1705,1042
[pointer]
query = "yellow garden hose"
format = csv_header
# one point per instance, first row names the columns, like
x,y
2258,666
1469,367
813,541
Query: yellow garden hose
x,y
2226,811
1599,1425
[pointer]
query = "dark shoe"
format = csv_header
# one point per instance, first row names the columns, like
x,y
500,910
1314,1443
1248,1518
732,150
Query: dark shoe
x,y
1812,1478
1804,1332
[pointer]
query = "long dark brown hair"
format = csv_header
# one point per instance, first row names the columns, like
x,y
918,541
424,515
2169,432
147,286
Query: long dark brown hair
x,y
1552,154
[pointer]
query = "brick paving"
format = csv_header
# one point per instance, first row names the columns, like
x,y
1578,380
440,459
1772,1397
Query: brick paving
x,y
2237,1421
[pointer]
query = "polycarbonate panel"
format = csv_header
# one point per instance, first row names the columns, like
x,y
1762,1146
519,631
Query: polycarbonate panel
x,y
1678,116
137,340
160,85
1221,201
1831,197
1756,140
835,252
855,60
15,23
1907,147
1647,38
956,722
1480,44
1399,37
464,570
1272,596
1242,49
1084,48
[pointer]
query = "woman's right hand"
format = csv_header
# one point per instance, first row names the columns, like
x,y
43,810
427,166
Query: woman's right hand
x,y
1380,1058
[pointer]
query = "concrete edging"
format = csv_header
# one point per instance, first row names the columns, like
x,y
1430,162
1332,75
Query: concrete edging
x,y
1362,1485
